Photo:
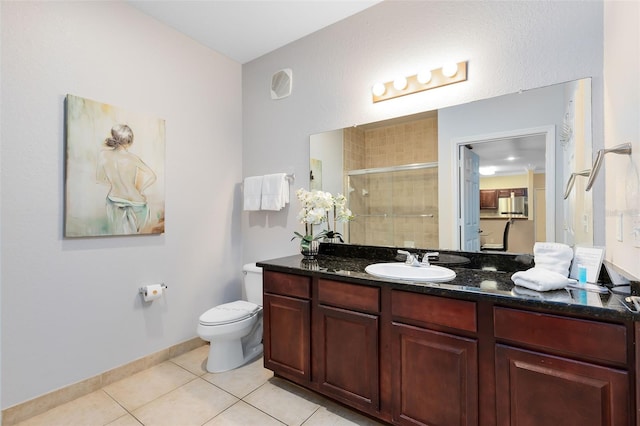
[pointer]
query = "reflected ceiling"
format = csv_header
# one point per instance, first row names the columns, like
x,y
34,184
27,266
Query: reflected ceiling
x,y
516,156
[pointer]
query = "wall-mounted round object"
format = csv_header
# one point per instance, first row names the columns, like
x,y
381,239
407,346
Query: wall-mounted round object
x,y
450,69
424,77
378,89
400,83
281,83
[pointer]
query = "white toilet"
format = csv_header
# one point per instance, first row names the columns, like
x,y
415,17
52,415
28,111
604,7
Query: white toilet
x,y
235,329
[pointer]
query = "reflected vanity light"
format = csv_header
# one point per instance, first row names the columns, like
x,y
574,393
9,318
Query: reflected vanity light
x,y
425,80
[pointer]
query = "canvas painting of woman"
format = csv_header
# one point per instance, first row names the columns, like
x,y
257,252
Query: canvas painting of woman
x,y
114,171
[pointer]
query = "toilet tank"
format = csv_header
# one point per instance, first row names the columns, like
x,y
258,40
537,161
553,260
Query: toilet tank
x,y
253,283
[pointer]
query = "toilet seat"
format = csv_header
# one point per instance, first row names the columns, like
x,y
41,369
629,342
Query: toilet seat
x,y
229,313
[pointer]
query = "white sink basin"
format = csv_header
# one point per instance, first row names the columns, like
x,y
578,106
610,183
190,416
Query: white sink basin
x,y
401,271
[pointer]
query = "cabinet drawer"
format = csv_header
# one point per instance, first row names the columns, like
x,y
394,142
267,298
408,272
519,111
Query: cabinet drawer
x,y
350,296
453,313
581,338
287,284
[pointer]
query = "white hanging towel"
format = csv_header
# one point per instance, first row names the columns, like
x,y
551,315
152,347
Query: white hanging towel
x,y
252,192
275,191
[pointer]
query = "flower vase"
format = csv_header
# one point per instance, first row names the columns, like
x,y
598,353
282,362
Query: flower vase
x,y
309,249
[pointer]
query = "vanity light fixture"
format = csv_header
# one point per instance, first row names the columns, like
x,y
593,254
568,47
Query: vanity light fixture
x,y
450,69
424,77
378,89
425,80
400,83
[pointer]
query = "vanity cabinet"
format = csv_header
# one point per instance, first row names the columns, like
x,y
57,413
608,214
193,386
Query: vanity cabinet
x,y
287,325
489,199
346,341
434,372
410,358
557,370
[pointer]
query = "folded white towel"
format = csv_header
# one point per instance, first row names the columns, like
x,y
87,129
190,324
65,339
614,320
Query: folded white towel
x,y
252,192
540,279
551,296
275,191
554,257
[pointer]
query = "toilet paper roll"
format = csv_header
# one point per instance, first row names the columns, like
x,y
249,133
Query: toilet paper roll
x,y
152,292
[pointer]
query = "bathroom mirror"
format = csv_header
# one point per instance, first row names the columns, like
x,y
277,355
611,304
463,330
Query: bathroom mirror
x,y
405,179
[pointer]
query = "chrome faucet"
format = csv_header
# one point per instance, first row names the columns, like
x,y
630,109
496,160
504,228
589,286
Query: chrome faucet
x,y
411,260
425,258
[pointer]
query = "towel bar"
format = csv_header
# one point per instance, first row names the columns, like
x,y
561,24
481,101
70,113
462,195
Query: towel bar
x,y
572,178
624,149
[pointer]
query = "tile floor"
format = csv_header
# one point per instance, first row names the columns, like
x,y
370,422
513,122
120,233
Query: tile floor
x,y
180,392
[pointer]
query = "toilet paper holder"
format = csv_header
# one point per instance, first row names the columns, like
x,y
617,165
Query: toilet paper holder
x,y
143,290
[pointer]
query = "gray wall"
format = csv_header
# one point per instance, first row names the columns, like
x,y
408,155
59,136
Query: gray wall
x,y
70,307
509,46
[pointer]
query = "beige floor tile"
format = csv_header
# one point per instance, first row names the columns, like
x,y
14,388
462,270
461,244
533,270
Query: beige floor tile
x,y
243,380
243,414
194,361
96,408
127,420
337,415
284,401
141,388
192,404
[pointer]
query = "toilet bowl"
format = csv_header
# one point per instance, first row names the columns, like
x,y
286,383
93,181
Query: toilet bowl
x,y
235,329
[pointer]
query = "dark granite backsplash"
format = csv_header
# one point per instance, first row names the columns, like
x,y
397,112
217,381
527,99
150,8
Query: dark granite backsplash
x,y
504,262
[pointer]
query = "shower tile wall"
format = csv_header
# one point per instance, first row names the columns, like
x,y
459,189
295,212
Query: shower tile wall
x,y
413,192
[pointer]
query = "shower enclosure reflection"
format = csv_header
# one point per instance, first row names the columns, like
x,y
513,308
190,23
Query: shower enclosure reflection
x,y
394,206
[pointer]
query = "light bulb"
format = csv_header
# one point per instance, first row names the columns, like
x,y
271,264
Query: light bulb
x,y
450,69
400,83
424,77
378,89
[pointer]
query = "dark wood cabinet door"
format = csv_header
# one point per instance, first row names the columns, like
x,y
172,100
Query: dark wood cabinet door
x,y
488,199
535,389
287,337
346,344
435,377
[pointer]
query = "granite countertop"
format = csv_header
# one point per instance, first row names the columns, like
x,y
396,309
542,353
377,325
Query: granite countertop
x,y
478,276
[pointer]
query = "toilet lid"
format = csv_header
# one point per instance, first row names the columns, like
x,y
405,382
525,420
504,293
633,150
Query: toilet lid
x,y
229,312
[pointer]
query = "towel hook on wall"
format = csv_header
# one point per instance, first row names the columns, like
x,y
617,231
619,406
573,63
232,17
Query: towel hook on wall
x,y
572,178
623,149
